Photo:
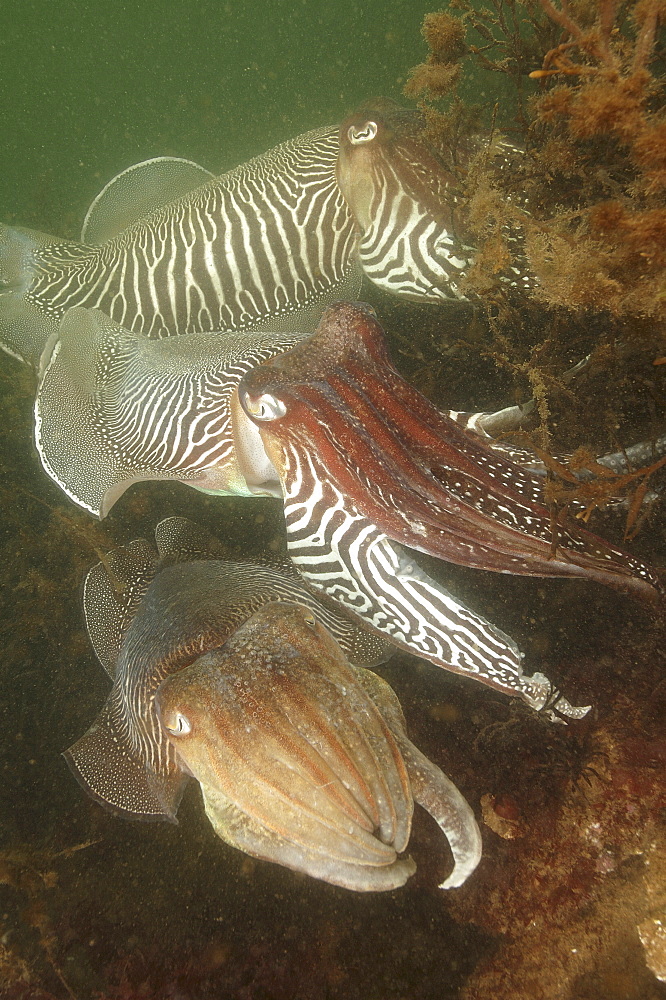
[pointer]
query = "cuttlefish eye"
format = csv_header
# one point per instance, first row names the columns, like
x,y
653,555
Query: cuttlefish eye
x,y
177,724
363,133
265,407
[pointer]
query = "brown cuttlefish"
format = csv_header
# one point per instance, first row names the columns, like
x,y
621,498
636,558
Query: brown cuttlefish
x,y
235,675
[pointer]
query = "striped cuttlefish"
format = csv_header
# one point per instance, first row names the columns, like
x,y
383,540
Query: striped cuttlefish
x,y
368,470
168,249
175,342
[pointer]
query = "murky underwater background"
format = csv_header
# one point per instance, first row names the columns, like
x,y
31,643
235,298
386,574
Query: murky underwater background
x,y
92,905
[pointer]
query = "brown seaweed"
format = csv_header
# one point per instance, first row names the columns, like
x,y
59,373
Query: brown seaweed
x,y
594,136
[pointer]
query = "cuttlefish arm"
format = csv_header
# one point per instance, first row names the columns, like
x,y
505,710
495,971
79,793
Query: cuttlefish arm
x,y
354,563
493,425
303,760
433,791
333,409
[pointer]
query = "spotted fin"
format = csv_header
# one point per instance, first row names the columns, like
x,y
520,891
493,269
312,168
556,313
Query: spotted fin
x,y
179,540
112,594
69,429
136,192
104,763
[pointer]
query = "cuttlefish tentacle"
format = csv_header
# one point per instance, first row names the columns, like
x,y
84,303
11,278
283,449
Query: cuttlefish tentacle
x,y
408,467
430,787
492,425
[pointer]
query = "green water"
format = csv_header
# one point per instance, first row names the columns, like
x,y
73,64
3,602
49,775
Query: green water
x,y
164,912
89,88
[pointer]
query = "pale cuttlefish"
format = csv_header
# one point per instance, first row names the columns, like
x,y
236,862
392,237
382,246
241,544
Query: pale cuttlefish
x,y
366,467
167,249
235,675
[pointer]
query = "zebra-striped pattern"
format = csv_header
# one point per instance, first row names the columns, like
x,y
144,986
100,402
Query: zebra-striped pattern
x,y
144,410
176,424
404,248
406,204
166,617
412,210
340,552
270,238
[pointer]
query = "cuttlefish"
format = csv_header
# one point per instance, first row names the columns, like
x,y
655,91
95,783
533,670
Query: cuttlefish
x,y
167,249
367,468
235,675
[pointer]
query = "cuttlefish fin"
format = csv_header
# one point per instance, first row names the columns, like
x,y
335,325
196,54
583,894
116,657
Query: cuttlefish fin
x,y
24,328
136,192
87,431
430,786
112,593
105,764
70,422
179,540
